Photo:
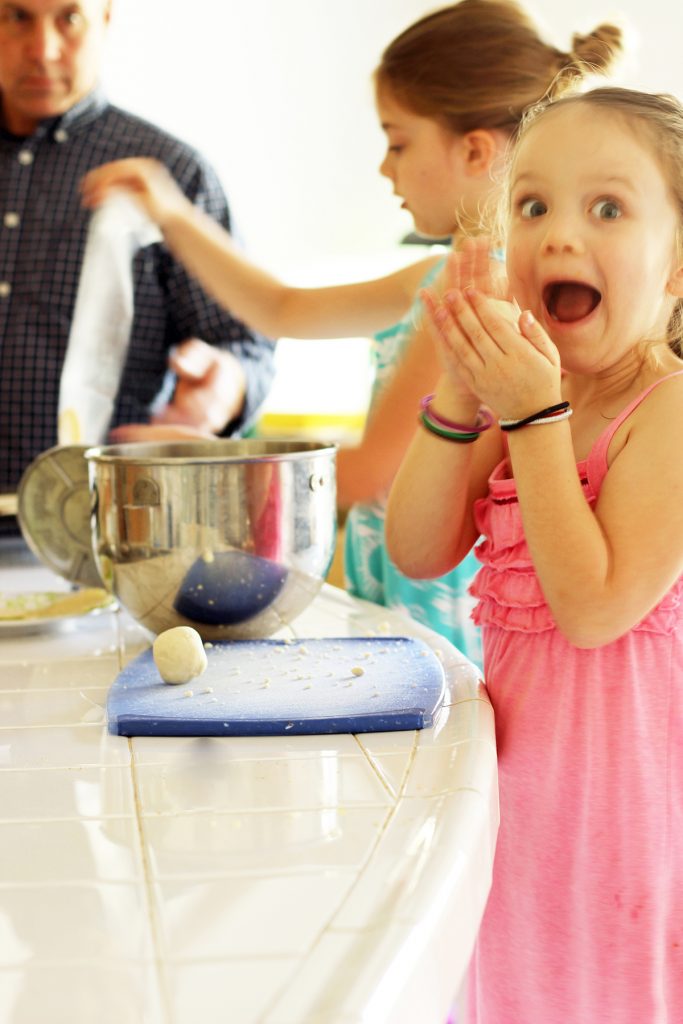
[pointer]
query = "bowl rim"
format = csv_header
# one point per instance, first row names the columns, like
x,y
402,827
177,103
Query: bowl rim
x,y
218,451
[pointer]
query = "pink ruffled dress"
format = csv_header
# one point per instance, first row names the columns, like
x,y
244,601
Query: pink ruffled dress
x,y
584,924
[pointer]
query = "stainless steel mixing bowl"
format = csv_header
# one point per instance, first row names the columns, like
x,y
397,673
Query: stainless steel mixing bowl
x,y
232,537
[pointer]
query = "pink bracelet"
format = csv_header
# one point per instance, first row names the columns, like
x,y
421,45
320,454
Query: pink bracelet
x,y
484,419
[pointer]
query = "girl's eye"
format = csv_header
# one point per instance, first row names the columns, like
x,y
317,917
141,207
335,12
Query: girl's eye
x,y
532,208
606,209
394,149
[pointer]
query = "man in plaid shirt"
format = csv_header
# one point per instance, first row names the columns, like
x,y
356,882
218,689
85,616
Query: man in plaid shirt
x,y
55,125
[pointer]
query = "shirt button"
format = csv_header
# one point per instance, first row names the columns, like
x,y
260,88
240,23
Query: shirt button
x,y
25,157
5,289
11,220
60,135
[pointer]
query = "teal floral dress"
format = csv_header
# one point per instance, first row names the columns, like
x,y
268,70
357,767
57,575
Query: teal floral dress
x,y
444,604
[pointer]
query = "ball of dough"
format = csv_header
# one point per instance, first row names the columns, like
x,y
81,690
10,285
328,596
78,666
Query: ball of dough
x,y
179,654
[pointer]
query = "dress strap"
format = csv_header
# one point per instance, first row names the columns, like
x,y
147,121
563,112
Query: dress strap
x,y
597,459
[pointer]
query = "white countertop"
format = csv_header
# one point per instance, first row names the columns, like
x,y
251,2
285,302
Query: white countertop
x,y
266,880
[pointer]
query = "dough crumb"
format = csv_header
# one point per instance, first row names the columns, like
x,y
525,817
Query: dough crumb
x,y
179,654
357,671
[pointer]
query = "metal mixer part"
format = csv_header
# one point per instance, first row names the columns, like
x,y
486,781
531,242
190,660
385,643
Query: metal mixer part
x,y
54,512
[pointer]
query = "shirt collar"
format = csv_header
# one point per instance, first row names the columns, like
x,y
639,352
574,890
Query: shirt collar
x,y
85,111
77,117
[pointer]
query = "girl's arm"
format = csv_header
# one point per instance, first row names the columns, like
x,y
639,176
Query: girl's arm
x,y
603,570
250,293
367,471
280,310
429,523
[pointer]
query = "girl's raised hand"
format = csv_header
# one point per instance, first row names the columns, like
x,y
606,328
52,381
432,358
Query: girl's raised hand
x,y
146,179
472,265
475,265
507,360
439,324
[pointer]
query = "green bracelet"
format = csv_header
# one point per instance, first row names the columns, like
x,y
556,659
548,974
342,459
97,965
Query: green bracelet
x,y
449,435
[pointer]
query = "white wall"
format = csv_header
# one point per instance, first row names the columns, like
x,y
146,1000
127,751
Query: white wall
x,y
278,94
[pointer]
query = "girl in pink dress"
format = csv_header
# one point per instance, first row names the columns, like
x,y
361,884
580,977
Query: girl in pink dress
x,y
577,491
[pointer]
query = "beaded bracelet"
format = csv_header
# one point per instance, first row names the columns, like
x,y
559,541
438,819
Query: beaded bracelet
x,y
484,419
553,414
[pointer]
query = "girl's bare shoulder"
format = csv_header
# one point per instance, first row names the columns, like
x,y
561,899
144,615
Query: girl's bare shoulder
x,y
663,399
412,276
657,419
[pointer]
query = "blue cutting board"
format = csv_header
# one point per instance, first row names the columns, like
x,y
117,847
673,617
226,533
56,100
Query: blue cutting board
x,y
284,688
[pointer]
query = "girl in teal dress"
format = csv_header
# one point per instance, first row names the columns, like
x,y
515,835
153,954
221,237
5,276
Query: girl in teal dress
x,y
448,119
444,603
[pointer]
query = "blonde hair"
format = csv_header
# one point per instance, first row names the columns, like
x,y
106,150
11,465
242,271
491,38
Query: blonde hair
x,y
481,63
659,117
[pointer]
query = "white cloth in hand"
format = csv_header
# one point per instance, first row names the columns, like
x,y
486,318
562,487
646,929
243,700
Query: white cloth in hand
x,y
102,320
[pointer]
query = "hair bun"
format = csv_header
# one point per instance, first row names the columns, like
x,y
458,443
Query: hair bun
x,y
597,51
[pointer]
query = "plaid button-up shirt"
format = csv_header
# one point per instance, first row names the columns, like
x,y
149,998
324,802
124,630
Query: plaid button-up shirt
x,y
42,238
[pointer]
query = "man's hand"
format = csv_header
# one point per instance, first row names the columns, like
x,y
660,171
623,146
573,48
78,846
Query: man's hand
x,y
152,432
210,391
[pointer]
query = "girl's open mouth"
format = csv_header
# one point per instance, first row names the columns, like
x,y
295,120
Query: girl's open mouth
x,y
569,301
